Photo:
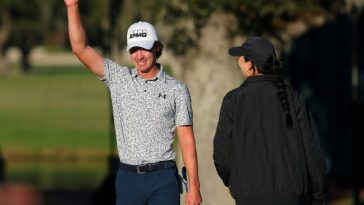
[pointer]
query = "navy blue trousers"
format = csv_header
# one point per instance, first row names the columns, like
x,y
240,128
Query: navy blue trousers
x,y
153,188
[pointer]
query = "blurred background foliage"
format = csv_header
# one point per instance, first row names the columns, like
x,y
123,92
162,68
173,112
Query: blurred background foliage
x,y
43,22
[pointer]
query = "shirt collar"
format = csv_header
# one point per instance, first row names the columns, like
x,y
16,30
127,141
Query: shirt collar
x,y
160,75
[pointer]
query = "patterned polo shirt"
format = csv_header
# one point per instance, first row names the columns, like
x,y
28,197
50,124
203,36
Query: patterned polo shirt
x,y
146,113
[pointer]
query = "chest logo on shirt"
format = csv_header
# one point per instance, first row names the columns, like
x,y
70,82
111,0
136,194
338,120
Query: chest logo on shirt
x,y
162,95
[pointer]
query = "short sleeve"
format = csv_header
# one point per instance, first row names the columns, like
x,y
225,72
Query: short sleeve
x,y
183,113
113,72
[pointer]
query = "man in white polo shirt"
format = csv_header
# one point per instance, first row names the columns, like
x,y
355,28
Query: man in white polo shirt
x,y
149,106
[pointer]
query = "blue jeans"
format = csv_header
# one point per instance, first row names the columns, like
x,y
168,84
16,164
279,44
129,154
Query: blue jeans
x,y
159,187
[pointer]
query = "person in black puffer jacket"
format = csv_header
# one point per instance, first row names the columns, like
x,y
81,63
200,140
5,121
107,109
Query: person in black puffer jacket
x,y
266,147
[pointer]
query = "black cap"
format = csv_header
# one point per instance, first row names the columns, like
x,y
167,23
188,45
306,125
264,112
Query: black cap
x,y
257,49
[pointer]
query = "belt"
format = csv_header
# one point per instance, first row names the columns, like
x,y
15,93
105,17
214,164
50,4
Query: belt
x,y
141,169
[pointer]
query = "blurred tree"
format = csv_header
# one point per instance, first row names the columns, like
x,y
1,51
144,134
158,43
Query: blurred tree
x,y
106,21
28,25
260,17
5,27
53,26
26,31
95,21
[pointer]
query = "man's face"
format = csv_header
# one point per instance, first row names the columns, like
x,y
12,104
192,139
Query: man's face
x,y
142,59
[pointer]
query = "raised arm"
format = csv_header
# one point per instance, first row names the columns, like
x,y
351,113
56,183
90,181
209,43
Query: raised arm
x,y
87,55
187,145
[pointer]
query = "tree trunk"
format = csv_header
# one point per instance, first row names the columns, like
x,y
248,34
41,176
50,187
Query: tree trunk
x,y
25,63
209,73
5,22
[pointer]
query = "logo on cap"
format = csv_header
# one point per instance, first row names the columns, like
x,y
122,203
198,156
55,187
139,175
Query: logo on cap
x,y
138,34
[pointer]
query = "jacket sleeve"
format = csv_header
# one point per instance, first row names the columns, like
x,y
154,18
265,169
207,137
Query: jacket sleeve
x,y
315,159
221,152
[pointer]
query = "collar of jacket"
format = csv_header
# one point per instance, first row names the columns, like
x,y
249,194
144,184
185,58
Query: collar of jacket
x,y
259,78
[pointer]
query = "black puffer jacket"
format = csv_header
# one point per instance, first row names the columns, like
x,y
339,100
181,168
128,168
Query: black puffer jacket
x,y
258,156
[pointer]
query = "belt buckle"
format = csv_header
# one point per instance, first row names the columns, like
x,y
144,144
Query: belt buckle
x,y
138,170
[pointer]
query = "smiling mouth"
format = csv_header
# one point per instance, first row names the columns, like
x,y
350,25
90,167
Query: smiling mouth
x,y
141,62
142,65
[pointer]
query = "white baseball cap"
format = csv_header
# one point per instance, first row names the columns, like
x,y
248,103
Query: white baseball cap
x,y
141,34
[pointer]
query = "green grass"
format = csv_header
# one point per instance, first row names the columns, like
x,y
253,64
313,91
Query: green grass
x,y
51,116
53,110
54,128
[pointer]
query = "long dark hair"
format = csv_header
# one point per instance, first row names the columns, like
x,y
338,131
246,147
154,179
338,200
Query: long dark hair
x,y
272,67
